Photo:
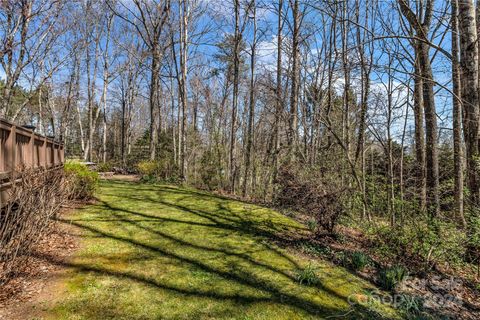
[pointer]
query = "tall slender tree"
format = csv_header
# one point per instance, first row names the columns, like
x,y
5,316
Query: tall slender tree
x,y
252,8
470,96
421,24
236,82
457,117
295,78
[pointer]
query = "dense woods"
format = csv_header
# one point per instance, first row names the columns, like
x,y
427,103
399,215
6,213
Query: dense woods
x,y
363,112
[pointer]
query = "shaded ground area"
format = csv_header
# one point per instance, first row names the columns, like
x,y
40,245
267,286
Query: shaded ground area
x,y
161,252
36,288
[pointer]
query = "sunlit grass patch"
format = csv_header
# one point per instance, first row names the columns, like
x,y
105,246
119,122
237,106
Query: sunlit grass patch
x,y
163,252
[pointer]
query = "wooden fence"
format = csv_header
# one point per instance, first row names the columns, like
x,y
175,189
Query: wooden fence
x,y
21,148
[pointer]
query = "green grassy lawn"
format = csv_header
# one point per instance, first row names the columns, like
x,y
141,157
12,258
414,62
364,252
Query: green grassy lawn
x,y
162,252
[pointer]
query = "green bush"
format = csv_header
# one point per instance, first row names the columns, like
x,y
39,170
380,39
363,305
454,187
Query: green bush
x,y
474,223
307,275
105,167
148,168
315,249
473,243
390,277
340,257
341,238
158,170
412,307
312,225
440,242
148,179
82,181
211,175
426,241
359,261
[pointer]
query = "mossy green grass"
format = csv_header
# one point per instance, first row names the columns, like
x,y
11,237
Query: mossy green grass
x,y
153,251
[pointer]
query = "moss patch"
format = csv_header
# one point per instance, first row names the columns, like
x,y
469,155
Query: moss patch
x,y
163,252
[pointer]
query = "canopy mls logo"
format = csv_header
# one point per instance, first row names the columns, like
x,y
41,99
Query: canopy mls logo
x,y
435,293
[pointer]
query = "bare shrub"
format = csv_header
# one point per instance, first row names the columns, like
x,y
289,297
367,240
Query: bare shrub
x,y
313,194
34,198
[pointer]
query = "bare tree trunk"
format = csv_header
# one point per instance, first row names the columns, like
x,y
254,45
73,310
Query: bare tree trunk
x,y
236,79
422,47
431,133
469,71
419,134
105,88
179,129
402,159
183,88
365,86
295,78
172,97
41,125
346,75
122,151
154,87
457,118
251,110
278,92
77,106
391,177
91,87
65,118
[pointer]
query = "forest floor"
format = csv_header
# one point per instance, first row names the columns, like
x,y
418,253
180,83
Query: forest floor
x,y
164,252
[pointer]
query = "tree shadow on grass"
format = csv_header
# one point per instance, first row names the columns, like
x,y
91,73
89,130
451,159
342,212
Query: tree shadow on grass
x,y
244,279
217,221
244,269
222,211
272,293
222,217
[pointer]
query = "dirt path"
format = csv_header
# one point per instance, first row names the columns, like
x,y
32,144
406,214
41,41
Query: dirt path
x,y
41,285
32,293
120,177
33,305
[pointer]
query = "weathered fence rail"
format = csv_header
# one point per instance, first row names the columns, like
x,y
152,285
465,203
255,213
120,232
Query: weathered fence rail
x,y
21,148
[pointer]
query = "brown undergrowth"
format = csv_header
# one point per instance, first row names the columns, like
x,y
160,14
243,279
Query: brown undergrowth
x,y
444,293
40,280
34,198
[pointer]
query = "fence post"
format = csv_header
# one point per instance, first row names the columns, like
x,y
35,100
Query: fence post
x,y
11,146
44,155
31,150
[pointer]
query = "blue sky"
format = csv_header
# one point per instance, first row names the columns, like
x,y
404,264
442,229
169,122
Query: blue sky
x,y
267,46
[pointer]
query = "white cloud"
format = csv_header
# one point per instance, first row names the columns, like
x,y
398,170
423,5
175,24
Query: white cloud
x,y
267,54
